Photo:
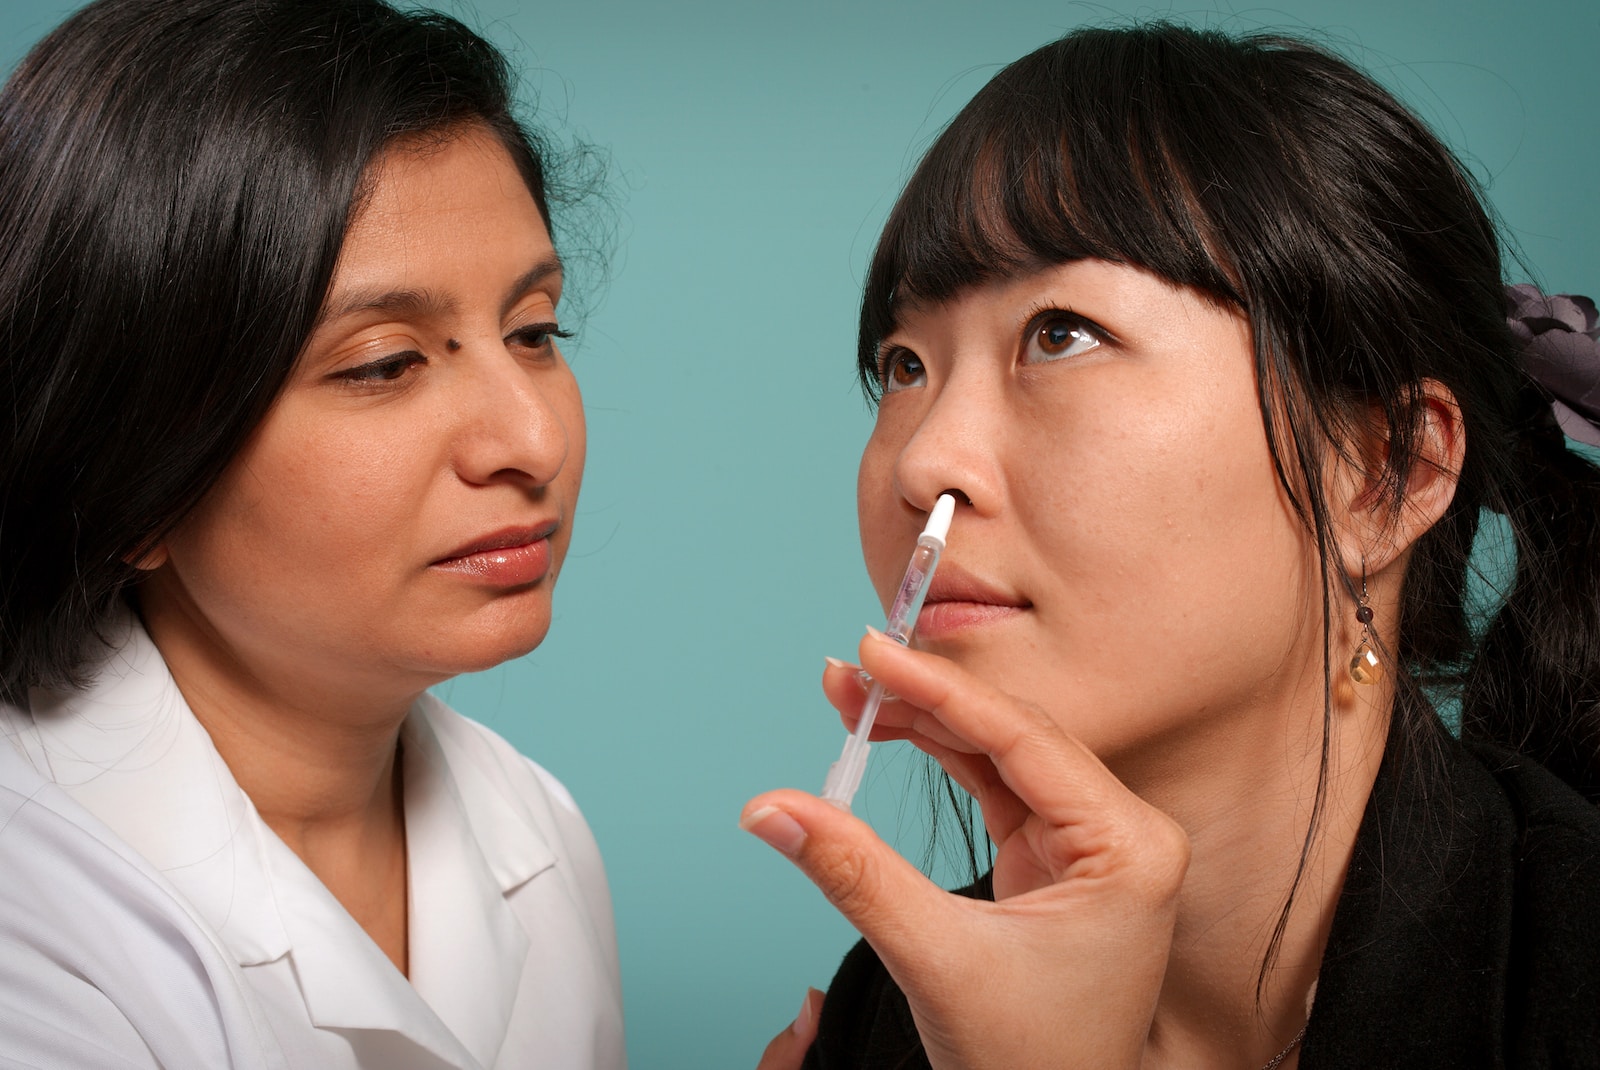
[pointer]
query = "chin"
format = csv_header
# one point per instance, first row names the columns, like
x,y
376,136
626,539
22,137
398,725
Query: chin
x,y
490,639
496,650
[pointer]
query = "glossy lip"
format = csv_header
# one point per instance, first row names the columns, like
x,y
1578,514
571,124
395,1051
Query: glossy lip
x,y
509,557
959,601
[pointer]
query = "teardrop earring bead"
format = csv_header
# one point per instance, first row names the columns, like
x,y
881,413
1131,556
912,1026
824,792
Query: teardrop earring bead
x,y
1365,668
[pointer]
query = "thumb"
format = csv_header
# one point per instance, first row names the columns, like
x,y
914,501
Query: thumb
x,y
886,898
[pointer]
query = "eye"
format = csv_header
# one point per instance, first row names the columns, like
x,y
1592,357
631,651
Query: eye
x,y
383,370
1056,335
537,336
900,369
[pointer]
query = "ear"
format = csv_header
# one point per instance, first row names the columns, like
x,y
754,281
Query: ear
x,y
1373,528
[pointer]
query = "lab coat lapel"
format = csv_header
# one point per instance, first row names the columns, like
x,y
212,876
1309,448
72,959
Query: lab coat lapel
x,y
330,951
467,847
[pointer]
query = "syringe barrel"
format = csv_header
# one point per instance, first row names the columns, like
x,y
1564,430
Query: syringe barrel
x,y
913,589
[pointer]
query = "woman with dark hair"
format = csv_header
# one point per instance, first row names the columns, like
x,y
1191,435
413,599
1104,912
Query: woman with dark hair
x,y
1208,337
290,441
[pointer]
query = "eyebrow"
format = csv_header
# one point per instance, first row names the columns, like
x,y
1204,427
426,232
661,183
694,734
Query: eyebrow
x,y
428,303
532,279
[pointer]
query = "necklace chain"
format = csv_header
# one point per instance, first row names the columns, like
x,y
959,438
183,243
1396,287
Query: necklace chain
x,y
1277,1060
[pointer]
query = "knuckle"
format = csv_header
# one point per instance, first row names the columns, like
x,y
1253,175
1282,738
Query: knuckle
x,y
1154,850
1167,849
845,878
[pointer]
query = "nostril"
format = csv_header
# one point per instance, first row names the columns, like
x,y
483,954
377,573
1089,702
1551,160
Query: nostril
x,y
959,494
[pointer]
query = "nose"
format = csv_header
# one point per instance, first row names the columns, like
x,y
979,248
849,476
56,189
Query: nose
x,y
509,419
956,448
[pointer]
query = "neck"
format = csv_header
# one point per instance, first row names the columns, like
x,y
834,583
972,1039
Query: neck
x,y
318,758
1248,813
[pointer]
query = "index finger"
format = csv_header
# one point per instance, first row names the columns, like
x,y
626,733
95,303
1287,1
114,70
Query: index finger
x,y
1056,776
846,692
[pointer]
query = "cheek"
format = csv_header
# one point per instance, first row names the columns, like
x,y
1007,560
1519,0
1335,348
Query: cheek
x,y
877,509
568,405
1152,495
1176,540
567,399
304,513
354,482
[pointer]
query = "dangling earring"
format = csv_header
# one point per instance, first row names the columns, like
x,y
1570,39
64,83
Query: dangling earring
x,y
1365,668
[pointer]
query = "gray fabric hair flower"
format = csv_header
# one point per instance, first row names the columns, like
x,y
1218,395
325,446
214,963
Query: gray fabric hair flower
x,y
1560,336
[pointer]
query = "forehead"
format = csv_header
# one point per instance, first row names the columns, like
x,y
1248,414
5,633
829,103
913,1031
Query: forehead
x,y
464,172
438,213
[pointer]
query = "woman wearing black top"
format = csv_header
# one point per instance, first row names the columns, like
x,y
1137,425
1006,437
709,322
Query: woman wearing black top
x,y
1208,335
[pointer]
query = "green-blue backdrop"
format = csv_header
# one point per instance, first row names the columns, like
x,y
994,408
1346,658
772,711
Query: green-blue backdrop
x,y
754,150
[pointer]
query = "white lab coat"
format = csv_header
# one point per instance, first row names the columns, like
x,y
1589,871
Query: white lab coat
x,y
149,918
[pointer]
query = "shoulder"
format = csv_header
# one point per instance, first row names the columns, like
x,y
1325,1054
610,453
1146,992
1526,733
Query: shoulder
x,y
1468,930
105,965
1555,842
1556,821
1554,954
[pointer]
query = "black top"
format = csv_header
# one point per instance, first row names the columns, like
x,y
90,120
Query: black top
x,y
1467,934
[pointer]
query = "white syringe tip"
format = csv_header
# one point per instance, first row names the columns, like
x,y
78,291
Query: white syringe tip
x,y
944,510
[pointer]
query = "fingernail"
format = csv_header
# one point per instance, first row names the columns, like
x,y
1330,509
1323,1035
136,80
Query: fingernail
x,y
862,677
805,1023
776,829
803,1019
875,633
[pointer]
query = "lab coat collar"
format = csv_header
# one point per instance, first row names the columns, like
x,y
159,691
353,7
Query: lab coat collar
x,y
468,848
128,749
508,837
346,981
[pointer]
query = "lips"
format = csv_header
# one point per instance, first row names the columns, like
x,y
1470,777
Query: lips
x,y
959,601
510,557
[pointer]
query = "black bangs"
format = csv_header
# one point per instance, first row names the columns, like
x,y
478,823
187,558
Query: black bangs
x,y
1079,150
1203,158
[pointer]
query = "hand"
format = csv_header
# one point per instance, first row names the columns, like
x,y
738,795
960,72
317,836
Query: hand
x,y
788,1049
1064,968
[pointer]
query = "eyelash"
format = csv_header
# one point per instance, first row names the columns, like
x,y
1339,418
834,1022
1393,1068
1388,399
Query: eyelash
x,y
1043,316
545,333
378,371
392,366
889,359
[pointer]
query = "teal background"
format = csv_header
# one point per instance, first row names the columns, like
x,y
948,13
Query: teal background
x,y
754,150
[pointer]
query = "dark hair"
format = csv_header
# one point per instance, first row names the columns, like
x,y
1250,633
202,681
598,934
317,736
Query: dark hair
x,y
176,179
1272,176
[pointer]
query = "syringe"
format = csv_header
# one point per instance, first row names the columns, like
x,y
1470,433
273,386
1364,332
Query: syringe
x,y
844,775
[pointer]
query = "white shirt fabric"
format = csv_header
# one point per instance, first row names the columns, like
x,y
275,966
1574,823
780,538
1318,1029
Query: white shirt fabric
x,y
150,918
